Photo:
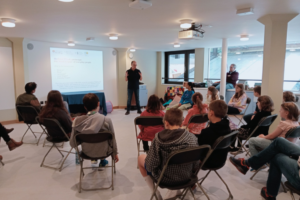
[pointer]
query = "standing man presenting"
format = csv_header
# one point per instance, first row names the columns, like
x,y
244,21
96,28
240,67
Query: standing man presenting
x,y
231,78
133,76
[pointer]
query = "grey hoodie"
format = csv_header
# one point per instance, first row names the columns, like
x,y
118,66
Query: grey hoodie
x,y
94,124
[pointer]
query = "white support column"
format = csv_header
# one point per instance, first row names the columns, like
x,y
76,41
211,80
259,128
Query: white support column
x,y
224,67
274,58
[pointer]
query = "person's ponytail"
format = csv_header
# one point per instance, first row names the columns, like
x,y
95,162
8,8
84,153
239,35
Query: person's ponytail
x,y
191,85
197,98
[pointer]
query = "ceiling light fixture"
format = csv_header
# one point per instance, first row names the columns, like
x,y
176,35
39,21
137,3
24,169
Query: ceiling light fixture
x,y
239,59
113,36
244,38
176,45
185,23
66,0
7,22
132,50
238,52
71,44
245,11
292,49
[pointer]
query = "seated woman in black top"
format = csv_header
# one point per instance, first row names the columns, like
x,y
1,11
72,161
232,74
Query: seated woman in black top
x,y
265,106
55,109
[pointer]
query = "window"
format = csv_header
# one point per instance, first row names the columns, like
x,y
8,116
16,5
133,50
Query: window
x,y
179,66
292,68
248,60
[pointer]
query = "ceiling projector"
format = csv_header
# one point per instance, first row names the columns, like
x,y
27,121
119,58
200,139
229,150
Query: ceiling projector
x,y
195,32
140,4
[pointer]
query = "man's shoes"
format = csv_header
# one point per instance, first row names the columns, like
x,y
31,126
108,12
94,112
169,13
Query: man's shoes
x,y
139,112
9,130
127,113
239,164
13,144
265,195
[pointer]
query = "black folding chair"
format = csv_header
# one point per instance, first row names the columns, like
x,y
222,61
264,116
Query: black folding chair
x,y
145,121
243,113
29,114
55,135
292,133
221,143
197,119
181,157
266,121
92,139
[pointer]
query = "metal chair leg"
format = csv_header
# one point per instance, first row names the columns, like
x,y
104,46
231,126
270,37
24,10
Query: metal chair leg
x,y
205,177
203,191
80,176
192,193
284,188
46,155
2,163
184,192
255,173
292,195
65,159
25,133
112,174
32,131
230,195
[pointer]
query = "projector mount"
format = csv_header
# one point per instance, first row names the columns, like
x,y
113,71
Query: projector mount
x,y
196,27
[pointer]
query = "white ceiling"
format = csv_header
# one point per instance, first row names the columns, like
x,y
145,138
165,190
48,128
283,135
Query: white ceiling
x,y
155,28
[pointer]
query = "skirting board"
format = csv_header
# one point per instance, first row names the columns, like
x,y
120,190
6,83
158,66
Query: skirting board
x,y
11,122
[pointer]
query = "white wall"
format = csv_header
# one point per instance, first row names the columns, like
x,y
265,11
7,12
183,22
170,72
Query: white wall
x,y
7,100
37,68
7,86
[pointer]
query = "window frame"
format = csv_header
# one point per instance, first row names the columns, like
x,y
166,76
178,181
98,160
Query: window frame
x,y
186,65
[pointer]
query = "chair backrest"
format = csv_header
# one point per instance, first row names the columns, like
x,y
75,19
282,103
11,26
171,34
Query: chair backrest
x,y
225,141
293,133
267,121
148,121
94,137
28,113
188,155
198,119
53,127
221,97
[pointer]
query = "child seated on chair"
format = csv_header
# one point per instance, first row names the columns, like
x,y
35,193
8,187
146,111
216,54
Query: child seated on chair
x,y
219,126
186,99
212,95
237,103
153,109
165,142
198,108
93,123
265,106
288,111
